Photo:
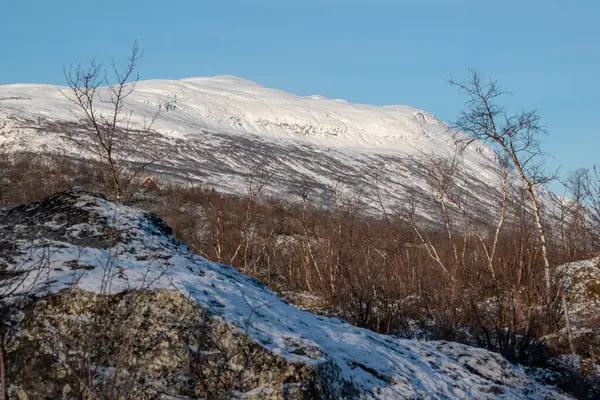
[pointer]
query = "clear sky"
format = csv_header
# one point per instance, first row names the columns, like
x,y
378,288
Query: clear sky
x,y
377,51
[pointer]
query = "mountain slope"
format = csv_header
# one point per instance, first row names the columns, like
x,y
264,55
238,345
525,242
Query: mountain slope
x,y
85,242
225,129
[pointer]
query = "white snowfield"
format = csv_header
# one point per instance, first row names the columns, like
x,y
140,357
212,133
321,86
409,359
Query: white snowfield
x,y
225,129
378,366
227,103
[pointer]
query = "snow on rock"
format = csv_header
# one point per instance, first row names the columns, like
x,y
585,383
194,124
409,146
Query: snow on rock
x,y
118,248
580,282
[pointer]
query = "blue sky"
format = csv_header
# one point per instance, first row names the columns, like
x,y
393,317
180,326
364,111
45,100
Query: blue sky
x,y
378,51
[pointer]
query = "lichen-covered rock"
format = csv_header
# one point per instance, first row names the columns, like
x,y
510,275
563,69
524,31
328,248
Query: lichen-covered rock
x,y
141,344
581,287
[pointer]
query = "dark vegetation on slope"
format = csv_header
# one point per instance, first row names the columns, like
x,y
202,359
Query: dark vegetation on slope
x,y
392,275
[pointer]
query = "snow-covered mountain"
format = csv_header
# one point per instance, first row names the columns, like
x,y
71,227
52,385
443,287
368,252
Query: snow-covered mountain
x,y
222,130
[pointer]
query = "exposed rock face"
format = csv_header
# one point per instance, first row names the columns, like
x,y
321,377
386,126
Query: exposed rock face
x,y
99,301
65,218
141,345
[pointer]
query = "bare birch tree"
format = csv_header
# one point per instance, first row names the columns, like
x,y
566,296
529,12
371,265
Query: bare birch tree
x,y
490,251
108,130
517,135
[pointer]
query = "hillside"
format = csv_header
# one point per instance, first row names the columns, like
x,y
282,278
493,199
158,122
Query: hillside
x,y
226,129
102,297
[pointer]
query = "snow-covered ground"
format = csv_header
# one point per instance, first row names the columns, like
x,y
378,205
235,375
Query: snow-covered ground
x,y
144,255
226,129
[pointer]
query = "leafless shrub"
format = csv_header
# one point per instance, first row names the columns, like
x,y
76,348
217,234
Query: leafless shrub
x,y
113,138
581,212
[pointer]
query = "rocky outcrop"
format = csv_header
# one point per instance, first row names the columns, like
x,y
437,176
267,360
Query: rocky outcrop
x,y
581,287
141,345
100,301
